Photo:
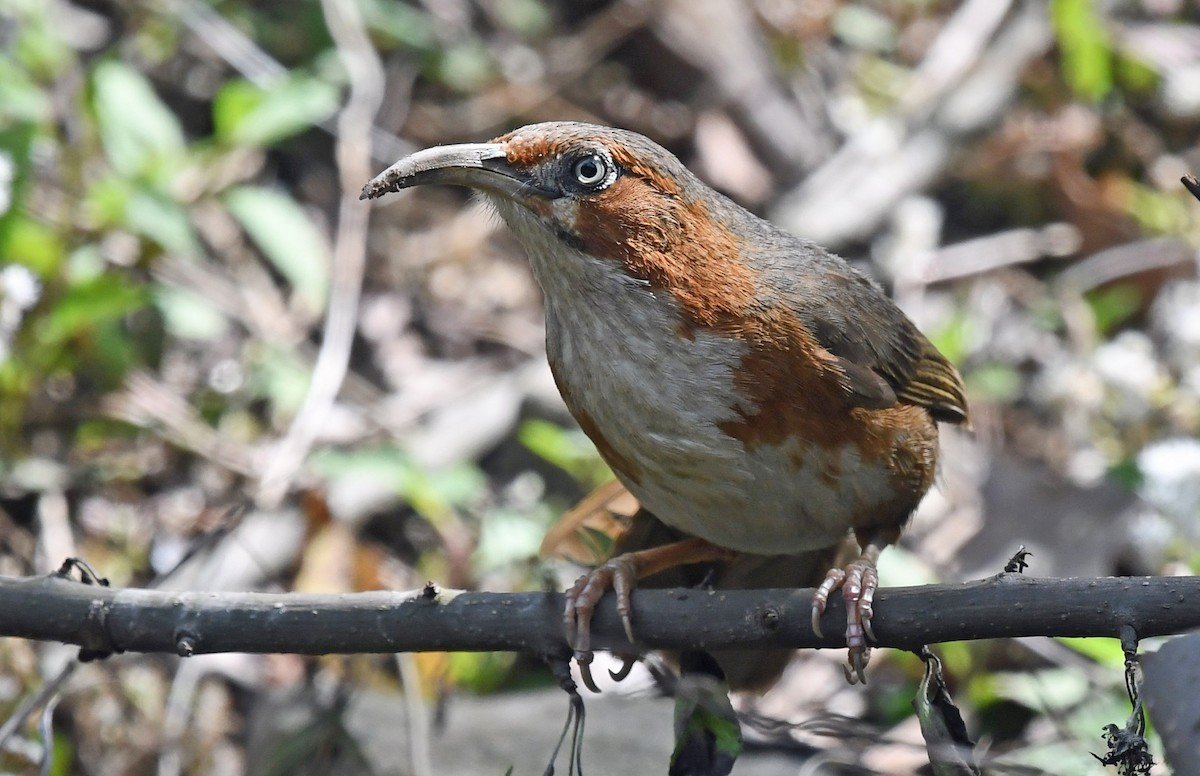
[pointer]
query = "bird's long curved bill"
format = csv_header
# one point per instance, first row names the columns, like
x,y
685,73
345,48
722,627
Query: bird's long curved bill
x,y
477,165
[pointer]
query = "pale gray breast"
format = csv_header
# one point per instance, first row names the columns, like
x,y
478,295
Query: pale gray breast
x,y
658,398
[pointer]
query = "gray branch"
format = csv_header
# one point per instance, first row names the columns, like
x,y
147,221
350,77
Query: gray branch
x,y
104,619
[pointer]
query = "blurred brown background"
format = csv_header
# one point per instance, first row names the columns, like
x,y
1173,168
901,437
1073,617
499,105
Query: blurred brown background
x,y
194,395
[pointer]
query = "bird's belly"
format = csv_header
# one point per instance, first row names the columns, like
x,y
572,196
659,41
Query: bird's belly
x,y
655,407
779,500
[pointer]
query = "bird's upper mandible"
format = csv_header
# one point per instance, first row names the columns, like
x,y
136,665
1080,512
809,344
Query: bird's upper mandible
x,y
612,193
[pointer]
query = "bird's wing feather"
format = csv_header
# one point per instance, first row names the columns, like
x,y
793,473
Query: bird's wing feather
x,y
884,357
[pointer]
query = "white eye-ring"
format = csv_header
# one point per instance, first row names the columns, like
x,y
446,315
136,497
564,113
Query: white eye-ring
x,y
591,170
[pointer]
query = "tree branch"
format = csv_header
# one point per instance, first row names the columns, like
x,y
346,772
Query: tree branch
x,y
103,619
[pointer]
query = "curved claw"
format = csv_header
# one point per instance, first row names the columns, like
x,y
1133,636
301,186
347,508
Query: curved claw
x,y
866,625
833,580
623,580
585,671
627,664
856,669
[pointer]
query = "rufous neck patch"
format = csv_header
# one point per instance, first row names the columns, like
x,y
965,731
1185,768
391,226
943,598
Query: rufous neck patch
x,y
670,243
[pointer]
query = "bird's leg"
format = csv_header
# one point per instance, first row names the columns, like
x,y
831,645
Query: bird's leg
x,y
857,581
620,574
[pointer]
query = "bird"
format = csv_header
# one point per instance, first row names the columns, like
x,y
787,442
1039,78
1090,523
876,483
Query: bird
x,y
760,397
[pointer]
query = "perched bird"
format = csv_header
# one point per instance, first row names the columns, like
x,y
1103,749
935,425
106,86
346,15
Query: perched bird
x,y
754,392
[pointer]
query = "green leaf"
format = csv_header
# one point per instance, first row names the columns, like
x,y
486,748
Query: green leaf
x,y
138,131
115,202
530,18
33,245
384,464
432,494
85,263
953,337
404,24
1135,76
16,142
1050,690
708,736
21,99
1104,651
88,305
244,114
63,758
162,220
998,382
507,537
286,236
1156,211
40,46
110,350
1084,48
865,28
568,449
1114,305
106,201
1127,474
900,567
466,67
480,672
189,315
278,376
457,485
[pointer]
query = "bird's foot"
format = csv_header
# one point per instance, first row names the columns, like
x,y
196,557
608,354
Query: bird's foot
x,y
858,582
619,575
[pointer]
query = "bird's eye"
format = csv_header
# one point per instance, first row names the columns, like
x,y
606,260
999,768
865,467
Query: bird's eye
x,y
591,171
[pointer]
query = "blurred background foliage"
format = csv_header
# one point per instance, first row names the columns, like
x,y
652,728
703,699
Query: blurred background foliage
x,y
176,206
